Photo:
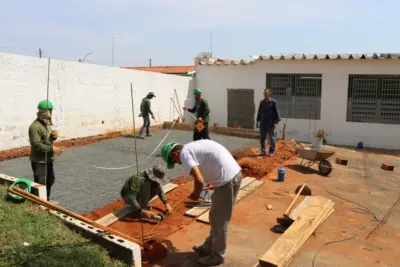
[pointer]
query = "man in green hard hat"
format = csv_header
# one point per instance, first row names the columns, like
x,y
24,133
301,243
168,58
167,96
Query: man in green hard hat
x,y
43,151
202,111
145,112
211,163
140,188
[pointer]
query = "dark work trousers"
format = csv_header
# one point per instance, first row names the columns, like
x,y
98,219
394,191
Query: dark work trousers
x,y
146,125
39,175
148,190
270,131
201,135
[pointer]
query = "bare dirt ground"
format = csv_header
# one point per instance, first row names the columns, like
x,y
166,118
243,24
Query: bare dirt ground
x,y
340,241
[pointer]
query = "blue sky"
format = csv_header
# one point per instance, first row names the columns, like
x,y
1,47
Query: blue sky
x,y
172,32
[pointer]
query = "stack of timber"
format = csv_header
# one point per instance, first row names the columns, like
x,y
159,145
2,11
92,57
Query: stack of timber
x,y
282,252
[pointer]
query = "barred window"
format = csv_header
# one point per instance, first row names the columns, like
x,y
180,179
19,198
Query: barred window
x,y
374,99
298,95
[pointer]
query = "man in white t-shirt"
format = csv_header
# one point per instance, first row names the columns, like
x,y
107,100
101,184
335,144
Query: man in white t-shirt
x,y
209,162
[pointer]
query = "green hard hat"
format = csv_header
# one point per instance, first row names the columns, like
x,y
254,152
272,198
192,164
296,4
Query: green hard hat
x,y
165,154
22,183
197,91
44,104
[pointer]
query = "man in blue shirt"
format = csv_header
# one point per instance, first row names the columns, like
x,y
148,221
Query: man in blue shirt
x,y
267,120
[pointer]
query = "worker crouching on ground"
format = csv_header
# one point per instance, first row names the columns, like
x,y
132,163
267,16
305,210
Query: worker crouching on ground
x,y
41,138
267,120
202,111
145,112
140,188
209,162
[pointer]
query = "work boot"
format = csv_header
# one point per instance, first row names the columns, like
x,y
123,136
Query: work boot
x,y
201,250
211,260
149,134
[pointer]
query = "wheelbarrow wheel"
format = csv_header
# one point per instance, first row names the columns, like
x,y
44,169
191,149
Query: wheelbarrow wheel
x,y
325,167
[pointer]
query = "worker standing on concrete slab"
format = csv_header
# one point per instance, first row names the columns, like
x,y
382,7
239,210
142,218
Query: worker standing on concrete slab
x,y
209,162
138,190
267,120
202,110
145,112
41,138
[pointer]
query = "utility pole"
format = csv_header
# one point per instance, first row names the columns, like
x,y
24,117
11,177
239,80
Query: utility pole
x,y
112,51
211,42
149,62
40,52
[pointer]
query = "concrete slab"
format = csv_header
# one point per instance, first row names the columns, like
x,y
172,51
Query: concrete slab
x,y
82,188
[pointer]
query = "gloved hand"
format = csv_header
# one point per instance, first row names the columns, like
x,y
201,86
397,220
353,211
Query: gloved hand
x,y
168,208
150,215
152,116
140,115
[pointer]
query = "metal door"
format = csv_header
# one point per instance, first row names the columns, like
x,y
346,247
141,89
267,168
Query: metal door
x,y
241,108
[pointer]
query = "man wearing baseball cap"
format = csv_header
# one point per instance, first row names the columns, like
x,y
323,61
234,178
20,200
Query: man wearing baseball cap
x,y
209,162
140,188
145,112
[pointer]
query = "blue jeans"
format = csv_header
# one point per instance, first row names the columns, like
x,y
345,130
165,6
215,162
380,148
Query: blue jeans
x,y
146,125
264,131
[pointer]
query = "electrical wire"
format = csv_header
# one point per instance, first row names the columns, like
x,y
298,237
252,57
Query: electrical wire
x,y
127,166
331,242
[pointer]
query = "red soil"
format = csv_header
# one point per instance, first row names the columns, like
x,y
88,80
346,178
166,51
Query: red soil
x,y
260,167
132,226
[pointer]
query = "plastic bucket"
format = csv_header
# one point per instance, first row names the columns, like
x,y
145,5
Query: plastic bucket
x,y
317,142
281,174
22,183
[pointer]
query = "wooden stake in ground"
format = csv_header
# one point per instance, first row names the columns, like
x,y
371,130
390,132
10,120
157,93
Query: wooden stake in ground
x,y
136,156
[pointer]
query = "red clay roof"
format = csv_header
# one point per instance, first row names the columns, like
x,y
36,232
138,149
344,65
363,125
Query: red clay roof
x,y
165,69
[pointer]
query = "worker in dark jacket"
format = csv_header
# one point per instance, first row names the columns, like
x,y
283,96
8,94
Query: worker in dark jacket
x,y
267,120
145,112
41,138
140,188
202,111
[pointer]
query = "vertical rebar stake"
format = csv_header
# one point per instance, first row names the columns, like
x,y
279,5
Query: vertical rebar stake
x,y
47,131
134,136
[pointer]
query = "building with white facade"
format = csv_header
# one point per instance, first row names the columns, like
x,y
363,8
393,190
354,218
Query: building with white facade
x,y
353,97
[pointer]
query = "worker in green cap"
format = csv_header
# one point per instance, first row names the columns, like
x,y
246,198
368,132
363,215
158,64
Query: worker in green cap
x,y
202,111
43,151
145,112
140,188
211,163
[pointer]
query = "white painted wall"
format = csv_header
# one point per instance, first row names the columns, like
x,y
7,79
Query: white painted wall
x,y
89,99
214,81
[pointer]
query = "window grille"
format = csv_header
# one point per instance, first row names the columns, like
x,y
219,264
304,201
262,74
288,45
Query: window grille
x,y
298,95
374,99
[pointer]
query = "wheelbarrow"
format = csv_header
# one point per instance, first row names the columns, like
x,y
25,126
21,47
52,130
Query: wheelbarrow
x,y
318,156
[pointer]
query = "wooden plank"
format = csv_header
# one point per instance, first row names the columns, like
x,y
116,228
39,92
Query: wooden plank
x,y
303,205
241,195
199,209
283,250
325,218
315,224
125,210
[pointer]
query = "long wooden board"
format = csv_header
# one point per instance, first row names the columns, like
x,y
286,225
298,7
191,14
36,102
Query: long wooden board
x,y
199,209
205,218
282,252
124,211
